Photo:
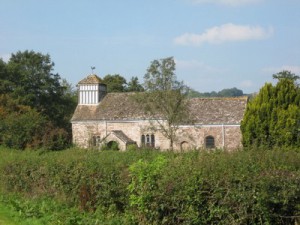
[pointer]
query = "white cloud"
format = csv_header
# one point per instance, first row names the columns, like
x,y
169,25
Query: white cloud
x,y
273,70
225,33
227,2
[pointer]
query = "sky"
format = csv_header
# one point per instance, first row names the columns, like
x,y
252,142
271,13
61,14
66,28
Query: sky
x,y
216,44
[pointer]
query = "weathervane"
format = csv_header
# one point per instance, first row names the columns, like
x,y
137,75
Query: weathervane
x,y
92,67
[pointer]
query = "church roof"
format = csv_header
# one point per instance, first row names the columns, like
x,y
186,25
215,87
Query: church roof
x,y
218,110
122,106
114,106
91,79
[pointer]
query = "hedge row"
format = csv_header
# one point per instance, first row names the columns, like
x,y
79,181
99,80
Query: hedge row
x,y
148,187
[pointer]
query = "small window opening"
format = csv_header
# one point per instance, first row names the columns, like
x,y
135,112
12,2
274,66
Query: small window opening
x,y
210,142
96,141
152,140
143,140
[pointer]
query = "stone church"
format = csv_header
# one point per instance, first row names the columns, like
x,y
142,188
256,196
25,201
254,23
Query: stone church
x,y
106,118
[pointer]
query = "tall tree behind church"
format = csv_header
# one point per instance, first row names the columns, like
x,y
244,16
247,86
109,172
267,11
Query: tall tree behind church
x,y
164,98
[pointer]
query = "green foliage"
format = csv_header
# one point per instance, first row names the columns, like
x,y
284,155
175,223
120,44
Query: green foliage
x,y
19,130
229,92
132,147
23,127
285,74
161,76
20,126
272,117
115,83
164,98
5,85
112,145
143,188
149,187
55,138
27,80
35,85
134,85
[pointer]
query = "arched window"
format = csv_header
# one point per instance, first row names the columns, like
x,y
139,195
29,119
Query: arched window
x,y
148,140
152,140
96,140
143,140
210,142
184,146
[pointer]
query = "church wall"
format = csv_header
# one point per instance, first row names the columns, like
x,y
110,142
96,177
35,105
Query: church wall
x,y
228,137
84,131
233,137
188,137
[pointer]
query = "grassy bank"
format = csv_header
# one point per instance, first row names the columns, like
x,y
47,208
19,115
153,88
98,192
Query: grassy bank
x,y
149,187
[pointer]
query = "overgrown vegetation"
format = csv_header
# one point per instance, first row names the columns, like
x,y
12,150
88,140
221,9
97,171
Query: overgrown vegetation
x,y
150,187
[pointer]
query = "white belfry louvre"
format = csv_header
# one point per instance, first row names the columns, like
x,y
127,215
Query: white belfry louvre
x,y
89,94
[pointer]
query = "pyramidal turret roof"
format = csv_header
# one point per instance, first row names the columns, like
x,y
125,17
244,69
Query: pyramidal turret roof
x,y
91,79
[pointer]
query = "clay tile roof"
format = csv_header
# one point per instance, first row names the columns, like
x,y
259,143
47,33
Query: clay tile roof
x,y
122,106
218,110
114,106
91,79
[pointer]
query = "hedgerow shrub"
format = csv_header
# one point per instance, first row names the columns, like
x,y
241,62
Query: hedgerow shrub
x,y
150,187
143,189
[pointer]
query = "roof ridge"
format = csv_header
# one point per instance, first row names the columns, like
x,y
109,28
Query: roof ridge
x,y
223,98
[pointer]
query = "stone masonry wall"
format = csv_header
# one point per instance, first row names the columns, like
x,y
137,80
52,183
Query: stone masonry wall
x,y
188,137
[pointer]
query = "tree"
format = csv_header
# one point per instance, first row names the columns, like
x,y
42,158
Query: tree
x,y
29,82
34,84
285,74
272,118
115,83
165,98
134,85
5,85
20,125
230,92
